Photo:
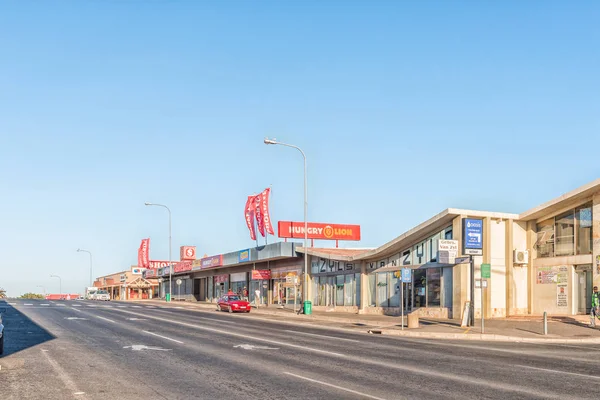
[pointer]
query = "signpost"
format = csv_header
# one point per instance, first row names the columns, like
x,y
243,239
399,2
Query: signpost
x,y
486,273
178,282
473,246
406,278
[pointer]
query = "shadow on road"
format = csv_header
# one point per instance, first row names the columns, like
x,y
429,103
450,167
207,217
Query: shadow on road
x,y
20,332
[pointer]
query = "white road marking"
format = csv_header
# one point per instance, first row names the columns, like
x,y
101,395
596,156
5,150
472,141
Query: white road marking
x,y
76,305
60,305
84,319
48,305
164,337
27,304
78,393
74,309
252,347
12,304
139,347
334,386
323,336
559,372
136,319
106,319
62,374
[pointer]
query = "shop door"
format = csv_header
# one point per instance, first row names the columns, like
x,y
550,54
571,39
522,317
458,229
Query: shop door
x,y
583,287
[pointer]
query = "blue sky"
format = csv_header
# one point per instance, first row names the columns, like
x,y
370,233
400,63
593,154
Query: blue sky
x,y
403,109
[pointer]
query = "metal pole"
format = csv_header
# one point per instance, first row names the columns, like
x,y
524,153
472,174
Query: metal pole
x,y
472,294
402,301
482,294
170,257
545,323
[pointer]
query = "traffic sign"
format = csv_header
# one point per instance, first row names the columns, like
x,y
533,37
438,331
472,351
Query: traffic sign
x,y
406,275
486,271
178,281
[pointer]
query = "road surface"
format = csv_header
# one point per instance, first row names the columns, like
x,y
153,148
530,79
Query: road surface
x,y
118,350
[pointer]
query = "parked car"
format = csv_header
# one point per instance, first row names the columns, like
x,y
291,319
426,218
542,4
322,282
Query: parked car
x,y
1,336
232,303
101,295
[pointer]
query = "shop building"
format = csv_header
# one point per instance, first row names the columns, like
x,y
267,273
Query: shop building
x,y
545,259
128,285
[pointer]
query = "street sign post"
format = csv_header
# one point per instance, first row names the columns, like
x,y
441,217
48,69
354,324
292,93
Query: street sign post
x,y
179,282
406,278
486,273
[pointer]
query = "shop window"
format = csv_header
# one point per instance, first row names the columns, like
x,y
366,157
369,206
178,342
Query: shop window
x,y
382,289
349,290
565,234
394,288
358,286
339,290
583,216
372,292
545,238
420,281
448,233
433,287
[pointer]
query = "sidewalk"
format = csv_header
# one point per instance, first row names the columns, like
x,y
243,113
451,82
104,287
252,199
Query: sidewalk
x,y
573,329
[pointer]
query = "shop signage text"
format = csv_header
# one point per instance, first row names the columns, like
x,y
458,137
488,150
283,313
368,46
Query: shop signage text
x,y
158,264
473,236
187,253
221,278
211,262
261,274
322,265
182,266
295,230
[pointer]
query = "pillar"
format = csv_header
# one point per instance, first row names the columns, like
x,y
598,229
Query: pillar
x,y
508,255
364,288
460,274
596,238
531,239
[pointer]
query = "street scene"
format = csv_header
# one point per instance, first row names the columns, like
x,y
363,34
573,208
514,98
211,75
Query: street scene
x,y
299,199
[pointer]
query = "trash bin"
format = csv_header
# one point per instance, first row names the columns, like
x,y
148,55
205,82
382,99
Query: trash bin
x,y
168,297
307,308
413,321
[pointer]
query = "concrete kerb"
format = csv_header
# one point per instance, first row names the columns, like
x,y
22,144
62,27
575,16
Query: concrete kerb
x,y
312,321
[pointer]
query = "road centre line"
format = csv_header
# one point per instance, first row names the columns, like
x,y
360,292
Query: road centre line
x,y
444,375
334,386
27,304
45,305
106,319
323,336
164,337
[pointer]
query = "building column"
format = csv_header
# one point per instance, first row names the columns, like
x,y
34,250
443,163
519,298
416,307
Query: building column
x,y
596,238
531,239
508,247
364,288
460,274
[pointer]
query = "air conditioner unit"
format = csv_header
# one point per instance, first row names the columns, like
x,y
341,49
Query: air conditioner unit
x,y
521,257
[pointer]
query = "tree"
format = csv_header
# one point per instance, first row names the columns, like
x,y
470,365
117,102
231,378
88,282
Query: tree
x,y
2,293
32,296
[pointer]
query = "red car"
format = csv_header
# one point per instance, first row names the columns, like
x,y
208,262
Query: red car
x,y
232,303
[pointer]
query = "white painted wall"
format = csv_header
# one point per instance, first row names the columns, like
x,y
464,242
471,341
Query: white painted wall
x,y
498,262
520,274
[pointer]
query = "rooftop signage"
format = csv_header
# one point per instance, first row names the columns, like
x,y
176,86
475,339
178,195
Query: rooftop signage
x,y
316,230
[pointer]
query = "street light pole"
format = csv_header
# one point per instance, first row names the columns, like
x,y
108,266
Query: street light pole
x,y
59,282
274,141
170,258
90,253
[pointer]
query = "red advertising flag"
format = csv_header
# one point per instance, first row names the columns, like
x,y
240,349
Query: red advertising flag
x,y
143,256
264,205
249,214
260,222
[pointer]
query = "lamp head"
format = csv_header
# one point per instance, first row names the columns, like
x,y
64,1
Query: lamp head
x,y
147,204
270,141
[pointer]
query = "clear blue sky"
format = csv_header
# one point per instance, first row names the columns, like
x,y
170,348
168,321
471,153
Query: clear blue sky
x,y
403,109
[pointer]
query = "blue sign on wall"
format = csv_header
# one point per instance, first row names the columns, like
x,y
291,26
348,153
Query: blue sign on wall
x,y
244,256
473,233
406,275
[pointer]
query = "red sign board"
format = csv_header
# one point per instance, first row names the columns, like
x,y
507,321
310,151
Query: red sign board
x,y
288,229
158,264
182,266
260,274
187,253
221,278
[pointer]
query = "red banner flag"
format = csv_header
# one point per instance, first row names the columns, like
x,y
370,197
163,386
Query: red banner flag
x,y
260,222
249,214
264,205
143,254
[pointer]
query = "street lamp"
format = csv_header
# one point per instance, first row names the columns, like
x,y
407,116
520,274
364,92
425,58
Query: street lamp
x,y
170,258
274,141
59,282
90,253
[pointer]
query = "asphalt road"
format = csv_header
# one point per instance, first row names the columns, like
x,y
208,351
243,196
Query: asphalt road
x,y
116,350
